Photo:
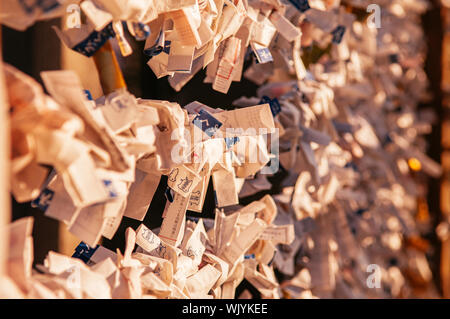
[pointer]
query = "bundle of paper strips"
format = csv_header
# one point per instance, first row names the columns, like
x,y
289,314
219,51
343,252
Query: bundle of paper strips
x,y
332,146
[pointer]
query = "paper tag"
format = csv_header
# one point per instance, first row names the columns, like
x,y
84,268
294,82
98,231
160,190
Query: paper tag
x,y
89,224
227,64
194,241
94,41
182,180
185,26
224,230
101,254
311,135
202,281
338,34
279,234
153,49
225,188
301,5
244,241
84,252
65,87
139,30
45,5
263,32
113,216
207,123
179,80
230,141
174,218
262,53
120,110
248,119
198,195
88,95
195,107
147,239
124,46
180,57
61,206
99,18
140,194
44,199
284,26
275,106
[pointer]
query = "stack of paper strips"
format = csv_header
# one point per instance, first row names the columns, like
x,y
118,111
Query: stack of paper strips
x,y
332,147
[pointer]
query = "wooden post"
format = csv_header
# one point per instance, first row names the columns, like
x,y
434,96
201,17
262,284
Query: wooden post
x,y
445,156
110,75
5,209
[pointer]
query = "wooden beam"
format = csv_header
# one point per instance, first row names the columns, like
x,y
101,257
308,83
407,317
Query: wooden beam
x,y
5,205
445,145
